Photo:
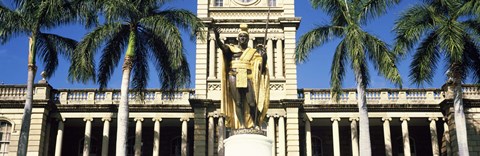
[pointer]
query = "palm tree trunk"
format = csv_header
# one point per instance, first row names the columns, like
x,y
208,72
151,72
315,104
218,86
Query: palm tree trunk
x,y
460,122
27,110
122,115
365,149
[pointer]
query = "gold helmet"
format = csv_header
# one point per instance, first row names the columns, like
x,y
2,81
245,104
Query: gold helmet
x,y
243,29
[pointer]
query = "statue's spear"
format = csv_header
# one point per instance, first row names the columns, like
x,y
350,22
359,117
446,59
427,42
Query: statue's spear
x,y
266,26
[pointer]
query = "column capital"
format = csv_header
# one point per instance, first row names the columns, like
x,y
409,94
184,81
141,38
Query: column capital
x,y
353,119
107,119
432,119
335,119
184,119
278,116
307,118
251,38
88,119
62,119
211,38
138,119
387,119
404,119
159,119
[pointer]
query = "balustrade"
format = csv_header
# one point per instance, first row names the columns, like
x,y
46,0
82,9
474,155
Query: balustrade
x,y
382,96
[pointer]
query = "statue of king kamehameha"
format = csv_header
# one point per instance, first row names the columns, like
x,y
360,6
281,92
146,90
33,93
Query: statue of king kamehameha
x,y
245,82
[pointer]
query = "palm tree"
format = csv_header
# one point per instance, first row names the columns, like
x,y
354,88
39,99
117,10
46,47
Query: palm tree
x,y
31,18
443,28
143,31
356,47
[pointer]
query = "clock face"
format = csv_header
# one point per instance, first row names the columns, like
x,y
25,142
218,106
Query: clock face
x,y
246,2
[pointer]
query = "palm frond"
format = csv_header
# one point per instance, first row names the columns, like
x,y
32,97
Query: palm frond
x,y
424,62
140,64
337,71
472,56
383,60
115,10
331,7
168,33
183,19
374,8
83,65
411,25
170,77
50,46
312,39
111,53
451,39
11,24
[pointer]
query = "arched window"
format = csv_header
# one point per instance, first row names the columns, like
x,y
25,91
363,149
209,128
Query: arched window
x,y
413,148
5,131
317,149
176,146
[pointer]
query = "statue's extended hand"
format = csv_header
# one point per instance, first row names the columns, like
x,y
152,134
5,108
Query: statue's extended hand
x,y
261,50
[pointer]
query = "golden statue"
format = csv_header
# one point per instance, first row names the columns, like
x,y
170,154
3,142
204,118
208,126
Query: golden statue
x,y
245,82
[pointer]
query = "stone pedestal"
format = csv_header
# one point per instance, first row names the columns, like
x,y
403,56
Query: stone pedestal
x,y
248,144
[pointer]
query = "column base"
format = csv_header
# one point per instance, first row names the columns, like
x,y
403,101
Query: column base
x,y
248,144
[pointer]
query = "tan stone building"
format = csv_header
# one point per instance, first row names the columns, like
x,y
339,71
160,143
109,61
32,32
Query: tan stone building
x,y
188,122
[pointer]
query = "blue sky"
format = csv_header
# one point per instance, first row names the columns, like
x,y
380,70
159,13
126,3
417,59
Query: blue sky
x,y
315,73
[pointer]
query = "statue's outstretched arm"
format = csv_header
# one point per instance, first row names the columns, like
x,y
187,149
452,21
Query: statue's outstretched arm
x,y
222,46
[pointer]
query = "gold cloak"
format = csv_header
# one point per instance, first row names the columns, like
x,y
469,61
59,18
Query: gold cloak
x,y
260,84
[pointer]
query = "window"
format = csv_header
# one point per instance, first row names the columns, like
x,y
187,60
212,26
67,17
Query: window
x,y
176,146
5,131
317,146
218,2
272,3
412,146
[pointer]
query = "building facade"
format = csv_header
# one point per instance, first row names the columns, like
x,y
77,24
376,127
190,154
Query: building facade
x,y
302,122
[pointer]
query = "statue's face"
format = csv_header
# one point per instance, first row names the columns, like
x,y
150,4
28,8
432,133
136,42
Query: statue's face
x,y
243,38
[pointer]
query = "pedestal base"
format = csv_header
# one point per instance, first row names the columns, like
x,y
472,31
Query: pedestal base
x,y
248,145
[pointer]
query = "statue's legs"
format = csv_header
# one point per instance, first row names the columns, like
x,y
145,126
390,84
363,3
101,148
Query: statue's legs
x,y
250,99
238,95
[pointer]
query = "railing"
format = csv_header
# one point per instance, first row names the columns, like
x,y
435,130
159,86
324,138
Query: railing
x,y
92,96
156,96
379,96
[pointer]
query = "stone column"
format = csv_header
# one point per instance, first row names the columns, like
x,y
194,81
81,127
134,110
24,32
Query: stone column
x,y
406,136
279,59
446,133
221,136
386,136
270,56
106,135
58,143
156,136
86,140
184,136
354,135
211,60
271,132
281,135
138,136
433,135
336,136
308,136
250,42
211,135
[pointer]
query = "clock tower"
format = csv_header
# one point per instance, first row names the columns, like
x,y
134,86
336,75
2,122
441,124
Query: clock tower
x,y
279,42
